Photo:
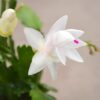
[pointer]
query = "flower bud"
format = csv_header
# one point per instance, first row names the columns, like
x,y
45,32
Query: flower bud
x,y
8,22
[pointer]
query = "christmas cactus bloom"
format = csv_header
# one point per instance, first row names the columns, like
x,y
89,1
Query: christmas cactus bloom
x,y
8,22
55,47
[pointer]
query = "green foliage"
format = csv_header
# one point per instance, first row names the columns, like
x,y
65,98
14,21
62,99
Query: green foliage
x,y
46,88
24,59
37,94
15,84
28,17
2,6
12,3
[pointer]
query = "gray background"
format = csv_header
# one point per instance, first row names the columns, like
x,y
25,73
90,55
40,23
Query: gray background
x,y
76,81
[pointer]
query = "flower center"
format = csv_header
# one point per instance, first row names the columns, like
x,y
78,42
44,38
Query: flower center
x,y
76,41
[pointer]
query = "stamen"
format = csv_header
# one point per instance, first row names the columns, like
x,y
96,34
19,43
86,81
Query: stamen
x,y
76,41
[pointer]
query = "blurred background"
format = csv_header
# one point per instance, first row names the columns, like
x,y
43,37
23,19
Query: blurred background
x,y
76,81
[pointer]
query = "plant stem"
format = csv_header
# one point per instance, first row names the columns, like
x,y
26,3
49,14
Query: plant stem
x,y
0,7
7,4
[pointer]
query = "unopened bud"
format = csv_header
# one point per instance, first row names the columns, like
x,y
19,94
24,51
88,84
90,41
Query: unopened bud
x,y
8,22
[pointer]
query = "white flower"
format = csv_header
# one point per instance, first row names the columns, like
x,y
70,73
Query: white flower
x,y
8,22
54,47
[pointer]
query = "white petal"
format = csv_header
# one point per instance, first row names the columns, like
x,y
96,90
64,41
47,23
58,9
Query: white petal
x,y
61,56
62,36
53,69
60,24
74,55
75,33
54,57
38,63
34,37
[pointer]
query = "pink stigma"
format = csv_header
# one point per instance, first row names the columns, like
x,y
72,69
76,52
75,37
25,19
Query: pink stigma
x,y
76,41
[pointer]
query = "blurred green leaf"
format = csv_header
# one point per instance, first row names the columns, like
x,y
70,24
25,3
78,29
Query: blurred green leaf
x,y
9,92
21,88
3,73
37,94
46,88
2,6
7,51
6,74
1,58
28,17
12,4
3,41
22,64
11,44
